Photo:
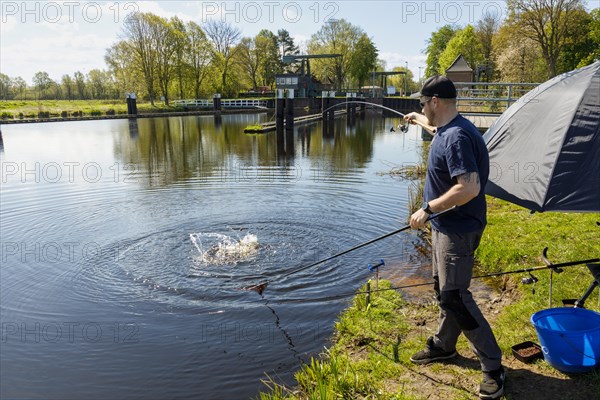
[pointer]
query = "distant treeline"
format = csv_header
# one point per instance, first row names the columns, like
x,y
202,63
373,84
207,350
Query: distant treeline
x,y
167,59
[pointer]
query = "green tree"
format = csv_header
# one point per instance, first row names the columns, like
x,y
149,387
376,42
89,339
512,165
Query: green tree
x,y
286,44
41,81
166,40
405,80
363,60
335,37
138,33
578,43
5,86
250,59
100,84
285,47
123,69
546,22
68,86
199,53
435,47
19,86
517,59
464,42
181,48
594,36
272,64
80,84
225,38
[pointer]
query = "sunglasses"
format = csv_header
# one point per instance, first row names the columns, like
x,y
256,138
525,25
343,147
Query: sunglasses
x,y
422,103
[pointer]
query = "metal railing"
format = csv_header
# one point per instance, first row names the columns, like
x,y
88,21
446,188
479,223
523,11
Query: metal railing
x,y
206,103
490,96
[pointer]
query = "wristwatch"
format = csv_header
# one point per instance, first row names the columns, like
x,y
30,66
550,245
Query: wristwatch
x,y
425,207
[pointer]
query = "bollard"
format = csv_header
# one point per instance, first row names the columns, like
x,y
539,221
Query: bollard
x,y
368,293
331,115
279,110
324,105
217,102
289,110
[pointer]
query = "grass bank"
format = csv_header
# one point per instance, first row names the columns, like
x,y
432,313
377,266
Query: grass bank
x,y
370,354
29,109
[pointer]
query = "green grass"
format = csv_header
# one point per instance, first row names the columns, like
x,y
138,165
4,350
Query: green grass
x,y
58,108
514,239
370,354
253,129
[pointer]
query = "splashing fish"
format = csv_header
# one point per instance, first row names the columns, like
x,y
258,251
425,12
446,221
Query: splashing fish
x,y
218,249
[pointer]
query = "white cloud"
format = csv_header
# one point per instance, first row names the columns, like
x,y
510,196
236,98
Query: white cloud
x,y
394,59
8,23
56,54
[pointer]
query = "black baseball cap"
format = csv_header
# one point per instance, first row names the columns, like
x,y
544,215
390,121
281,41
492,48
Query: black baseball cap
x,y
438,86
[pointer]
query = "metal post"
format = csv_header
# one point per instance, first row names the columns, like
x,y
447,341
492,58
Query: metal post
x,y
348,99
217,102
324,105
331,114
353,108
279,110
289,110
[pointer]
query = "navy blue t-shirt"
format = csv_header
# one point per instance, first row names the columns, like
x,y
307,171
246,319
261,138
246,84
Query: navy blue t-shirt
x,y
457,148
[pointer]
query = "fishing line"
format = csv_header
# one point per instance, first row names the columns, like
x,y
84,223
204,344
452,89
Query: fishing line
x,y
260,287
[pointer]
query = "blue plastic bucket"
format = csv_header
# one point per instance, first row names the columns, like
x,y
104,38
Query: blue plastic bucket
x,y
570,338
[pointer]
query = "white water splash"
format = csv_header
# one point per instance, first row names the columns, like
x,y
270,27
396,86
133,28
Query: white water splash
x,y
218,249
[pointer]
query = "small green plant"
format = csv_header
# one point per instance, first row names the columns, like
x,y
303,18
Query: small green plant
x,y
6,115
64,114
253,129
110,112
95,113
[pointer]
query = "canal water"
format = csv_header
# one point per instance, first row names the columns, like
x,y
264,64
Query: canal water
x,y
126,246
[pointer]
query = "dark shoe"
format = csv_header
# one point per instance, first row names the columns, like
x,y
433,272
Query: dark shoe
x,y
432,354
492,386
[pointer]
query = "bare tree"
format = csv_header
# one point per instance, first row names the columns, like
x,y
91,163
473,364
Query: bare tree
x,y
485,30
225,38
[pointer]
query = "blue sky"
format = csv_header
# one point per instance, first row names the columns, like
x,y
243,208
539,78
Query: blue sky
x,y
62,37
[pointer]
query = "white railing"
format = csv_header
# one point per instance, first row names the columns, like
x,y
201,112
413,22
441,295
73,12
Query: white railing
x,y
237,103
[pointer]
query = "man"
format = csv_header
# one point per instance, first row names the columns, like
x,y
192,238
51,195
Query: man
x,y
457,172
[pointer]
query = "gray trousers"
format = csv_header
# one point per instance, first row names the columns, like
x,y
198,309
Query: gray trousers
x,y
453,258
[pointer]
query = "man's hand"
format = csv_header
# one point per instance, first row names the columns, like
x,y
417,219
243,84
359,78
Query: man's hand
x,y
418,219
415,116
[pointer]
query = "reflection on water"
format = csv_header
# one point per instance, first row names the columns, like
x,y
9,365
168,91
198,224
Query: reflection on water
x,y
126,243
178,149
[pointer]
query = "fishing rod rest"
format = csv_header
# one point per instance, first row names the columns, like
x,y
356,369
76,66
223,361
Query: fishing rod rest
x,y
381,263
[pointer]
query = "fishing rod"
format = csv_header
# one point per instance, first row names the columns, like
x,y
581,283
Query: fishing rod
x,y
260,287
429,128
531,280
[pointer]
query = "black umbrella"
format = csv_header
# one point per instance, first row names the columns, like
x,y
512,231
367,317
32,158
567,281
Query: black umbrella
x,y
545,148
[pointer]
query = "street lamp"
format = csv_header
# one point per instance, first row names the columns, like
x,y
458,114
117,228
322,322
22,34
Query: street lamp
x,y
406,79
420,68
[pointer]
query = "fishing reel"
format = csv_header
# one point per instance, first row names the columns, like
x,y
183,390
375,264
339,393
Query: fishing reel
x,y
401,127
530,280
